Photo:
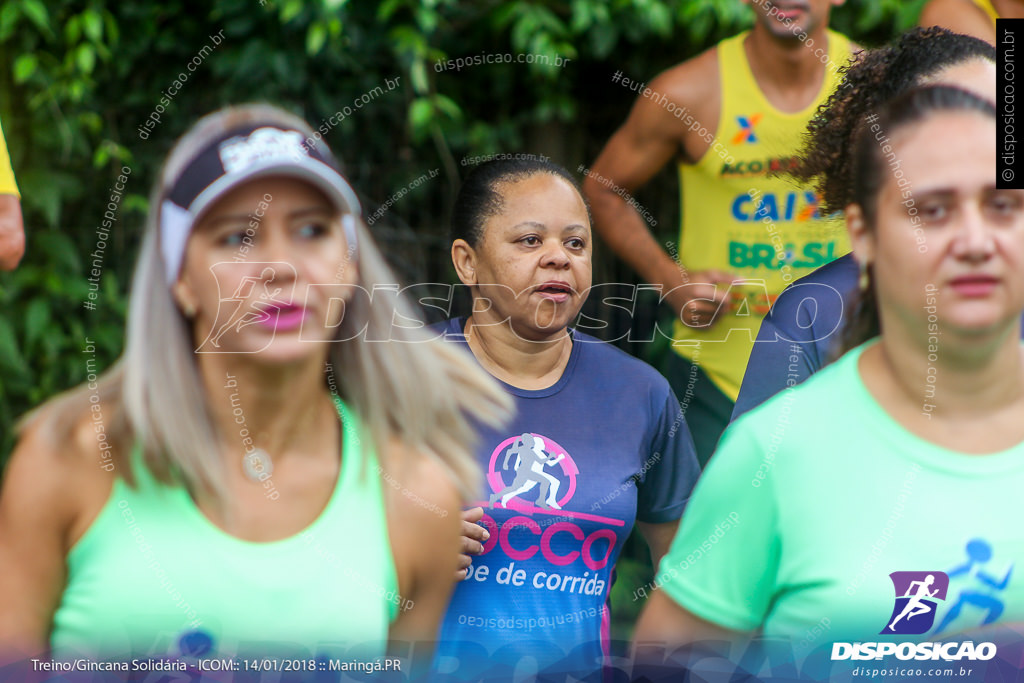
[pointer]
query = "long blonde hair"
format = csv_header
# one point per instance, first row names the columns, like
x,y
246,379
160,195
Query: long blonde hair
x,y
426,393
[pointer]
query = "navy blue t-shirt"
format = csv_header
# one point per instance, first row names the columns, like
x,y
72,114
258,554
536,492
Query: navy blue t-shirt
x,y
800,333
605,445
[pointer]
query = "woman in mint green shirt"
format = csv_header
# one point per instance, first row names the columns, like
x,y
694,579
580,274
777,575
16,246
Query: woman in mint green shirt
x,y
252,477
906,455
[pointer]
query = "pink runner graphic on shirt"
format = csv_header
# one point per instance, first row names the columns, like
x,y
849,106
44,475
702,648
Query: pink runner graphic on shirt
x,y
531,456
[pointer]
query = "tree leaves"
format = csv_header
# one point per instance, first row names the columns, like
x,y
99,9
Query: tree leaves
x,y
24,67
84,78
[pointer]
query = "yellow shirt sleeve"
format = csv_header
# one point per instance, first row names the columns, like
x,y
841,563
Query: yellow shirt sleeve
x,y
7,183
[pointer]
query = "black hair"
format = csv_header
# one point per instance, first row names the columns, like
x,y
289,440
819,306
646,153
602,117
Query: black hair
x,y
868,175
876,77
479,198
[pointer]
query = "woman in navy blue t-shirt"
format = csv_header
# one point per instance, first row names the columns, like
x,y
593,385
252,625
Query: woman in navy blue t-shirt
x,y
599,441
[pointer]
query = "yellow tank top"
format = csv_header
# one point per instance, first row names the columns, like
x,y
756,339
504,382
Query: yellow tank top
x,y
986,7
7,184
767,231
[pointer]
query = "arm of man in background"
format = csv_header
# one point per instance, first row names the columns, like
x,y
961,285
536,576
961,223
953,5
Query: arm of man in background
x,y
650,138
959,16
12,232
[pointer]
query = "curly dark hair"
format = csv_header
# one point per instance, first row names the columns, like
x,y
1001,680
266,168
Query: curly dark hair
x,y
872,79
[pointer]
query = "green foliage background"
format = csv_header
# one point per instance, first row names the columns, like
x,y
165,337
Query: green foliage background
x,y
78,77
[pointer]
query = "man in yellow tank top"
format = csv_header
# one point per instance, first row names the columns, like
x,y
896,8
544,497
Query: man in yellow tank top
x,y
12,233
727,117
973,17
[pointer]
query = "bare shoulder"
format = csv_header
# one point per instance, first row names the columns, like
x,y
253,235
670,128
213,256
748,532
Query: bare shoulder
x,y
694,90
959,16
945,9
424,525
692,82
59,484
50,492
418,485
424,529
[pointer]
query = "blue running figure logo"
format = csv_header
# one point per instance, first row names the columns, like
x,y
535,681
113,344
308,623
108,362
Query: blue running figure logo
x,y
979,551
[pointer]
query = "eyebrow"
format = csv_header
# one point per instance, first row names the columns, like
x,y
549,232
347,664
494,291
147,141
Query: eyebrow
x,y
530,224
232,218
949,192
216,221
941,192
313,209
574,227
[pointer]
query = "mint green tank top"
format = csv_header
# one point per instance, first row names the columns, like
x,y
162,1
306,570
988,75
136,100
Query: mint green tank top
x,y
152,576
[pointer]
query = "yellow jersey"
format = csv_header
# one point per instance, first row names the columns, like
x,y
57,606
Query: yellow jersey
x,y
7,184
766,230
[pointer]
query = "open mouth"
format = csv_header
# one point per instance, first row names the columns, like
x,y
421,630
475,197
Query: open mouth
x,y
557,291
787,11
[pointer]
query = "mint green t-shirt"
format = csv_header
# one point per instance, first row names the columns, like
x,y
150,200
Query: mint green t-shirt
x,y
152,576
814,498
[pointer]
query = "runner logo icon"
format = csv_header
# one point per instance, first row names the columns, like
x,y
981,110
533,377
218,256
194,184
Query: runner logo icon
x,y
533,459
917,596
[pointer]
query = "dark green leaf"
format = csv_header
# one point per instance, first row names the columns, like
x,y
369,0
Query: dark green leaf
x,y
93,24
37,318
24,67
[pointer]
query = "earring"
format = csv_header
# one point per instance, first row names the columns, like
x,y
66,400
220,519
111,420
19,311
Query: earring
x,y
863,282
189,309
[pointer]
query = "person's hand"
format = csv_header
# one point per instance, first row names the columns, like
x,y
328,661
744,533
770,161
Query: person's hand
x,y
473,538
703,300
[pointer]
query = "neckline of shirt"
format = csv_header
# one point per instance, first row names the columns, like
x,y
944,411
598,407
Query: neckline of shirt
x,y
829,80
921,450
310,533
456,331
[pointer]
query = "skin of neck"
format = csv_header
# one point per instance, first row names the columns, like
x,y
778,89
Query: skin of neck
x,y
786,62
286,408
979,372
518,359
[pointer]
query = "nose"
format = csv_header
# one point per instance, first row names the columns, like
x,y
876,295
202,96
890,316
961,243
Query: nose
x,y
974,239
274,256
554,255
275,243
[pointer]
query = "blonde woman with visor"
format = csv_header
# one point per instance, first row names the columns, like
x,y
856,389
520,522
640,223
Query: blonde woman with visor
x,y
288,490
